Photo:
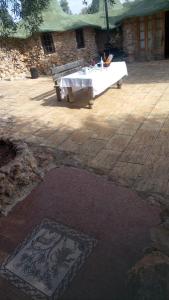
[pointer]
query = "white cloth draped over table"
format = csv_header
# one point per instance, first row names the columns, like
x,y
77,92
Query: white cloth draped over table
x,y
97,78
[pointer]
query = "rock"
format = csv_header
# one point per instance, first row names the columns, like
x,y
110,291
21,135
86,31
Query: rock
x,y
166,223
160,237
19,172
149,278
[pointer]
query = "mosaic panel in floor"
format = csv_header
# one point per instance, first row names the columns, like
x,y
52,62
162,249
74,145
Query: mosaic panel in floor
x,y
46,262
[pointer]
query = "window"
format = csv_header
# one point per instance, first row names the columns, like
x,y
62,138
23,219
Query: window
x,y
47,43
142,34
150,34
80,38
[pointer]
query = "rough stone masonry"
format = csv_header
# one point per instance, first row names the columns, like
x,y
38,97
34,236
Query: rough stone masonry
x,y
18,55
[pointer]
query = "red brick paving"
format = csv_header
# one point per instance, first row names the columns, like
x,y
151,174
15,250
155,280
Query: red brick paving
x,y
116,216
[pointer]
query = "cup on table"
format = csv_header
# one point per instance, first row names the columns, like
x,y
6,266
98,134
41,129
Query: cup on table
x,y
85,70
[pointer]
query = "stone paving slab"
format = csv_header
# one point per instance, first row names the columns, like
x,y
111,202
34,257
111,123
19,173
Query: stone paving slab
x,y
120,136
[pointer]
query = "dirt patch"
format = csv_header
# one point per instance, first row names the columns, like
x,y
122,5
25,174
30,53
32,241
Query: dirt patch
x,y
7,152
22,166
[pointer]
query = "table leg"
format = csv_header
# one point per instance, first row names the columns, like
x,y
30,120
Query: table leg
x,y
70,94
58,91
91,101
119,83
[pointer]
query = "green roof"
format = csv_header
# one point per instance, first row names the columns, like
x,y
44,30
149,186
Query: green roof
x,y
138,9
114,7
54,19
146,7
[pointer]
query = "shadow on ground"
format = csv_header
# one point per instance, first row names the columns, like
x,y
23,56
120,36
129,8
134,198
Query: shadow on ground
x,y
133,152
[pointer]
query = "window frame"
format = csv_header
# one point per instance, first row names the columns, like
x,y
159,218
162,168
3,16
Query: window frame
x,y
47,43
145,20
80,41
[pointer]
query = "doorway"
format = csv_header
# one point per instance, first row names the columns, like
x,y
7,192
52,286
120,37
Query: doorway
x,y
167,34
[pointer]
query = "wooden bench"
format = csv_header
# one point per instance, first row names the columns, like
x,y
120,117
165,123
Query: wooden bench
x,y
63,70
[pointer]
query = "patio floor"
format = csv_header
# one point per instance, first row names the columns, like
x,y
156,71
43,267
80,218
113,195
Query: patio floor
x,y
125,135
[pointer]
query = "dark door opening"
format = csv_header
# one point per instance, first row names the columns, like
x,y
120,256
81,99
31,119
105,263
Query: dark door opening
x,y
167,34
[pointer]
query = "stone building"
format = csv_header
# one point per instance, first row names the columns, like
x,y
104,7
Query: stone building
x,y
45,50
146,30
141,29
61,39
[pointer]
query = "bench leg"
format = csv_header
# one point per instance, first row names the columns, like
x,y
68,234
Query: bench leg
x,y
119,84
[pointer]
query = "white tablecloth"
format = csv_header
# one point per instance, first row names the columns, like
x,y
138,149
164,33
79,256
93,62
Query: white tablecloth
x,y
97,78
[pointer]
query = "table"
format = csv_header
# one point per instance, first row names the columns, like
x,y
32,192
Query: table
x,y
97,80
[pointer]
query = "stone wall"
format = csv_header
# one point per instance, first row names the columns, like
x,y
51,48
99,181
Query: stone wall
x,y
66,49
143,38
12,59
17,56
130,38
116,39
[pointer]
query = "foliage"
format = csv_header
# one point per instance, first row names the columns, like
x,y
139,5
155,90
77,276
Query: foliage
x,y
84,11
127,3
94,6
6,22
65,6
28,10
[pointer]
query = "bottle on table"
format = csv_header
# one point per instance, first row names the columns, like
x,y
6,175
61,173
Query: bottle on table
x,y
102,63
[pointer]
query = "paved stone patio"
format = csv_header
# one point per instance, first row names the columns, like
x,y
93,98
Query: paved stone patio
x,y
125,135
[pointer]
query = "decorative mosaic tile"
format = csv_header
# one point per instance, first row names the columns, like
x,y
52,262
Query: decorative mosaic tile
x,y
46,262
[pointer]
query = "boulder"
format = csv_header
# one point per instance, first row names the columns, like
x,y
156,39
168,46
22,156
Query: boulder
x,y
160,237
149,278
